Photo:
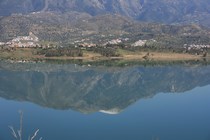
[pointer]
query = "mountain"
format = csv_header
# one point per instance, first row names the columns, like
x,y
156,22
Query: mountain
x,y
65,22
162,11
92,89
73,26
8,7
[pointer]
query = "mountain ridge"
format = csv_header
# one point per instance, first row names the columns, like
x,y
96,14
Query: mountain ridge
x,y
161,11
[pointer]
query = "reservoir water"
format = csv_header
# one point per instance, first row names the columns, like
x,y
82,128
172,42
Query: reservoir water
x,y
86,102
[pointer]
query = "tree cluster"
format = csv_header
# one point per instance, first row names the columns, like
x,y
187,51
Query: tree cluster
x,y
107,52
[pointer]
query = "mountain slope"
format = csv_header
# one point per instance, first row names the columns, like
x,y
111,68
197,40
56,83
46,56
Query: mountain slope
x,y
8,7
163,11
76,26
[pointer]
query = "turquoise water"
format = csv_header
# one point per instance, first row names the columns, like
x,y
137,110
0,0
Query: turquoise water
x,y
130,103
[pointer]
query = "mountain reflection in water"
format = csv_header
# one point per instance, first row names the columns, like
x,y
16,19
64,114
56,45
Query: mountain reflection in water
x,y
95,89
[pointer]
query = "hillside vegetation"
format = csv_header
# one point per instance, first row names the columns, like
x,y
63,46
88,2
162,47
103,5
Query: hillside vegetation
x,y
74,26
162,11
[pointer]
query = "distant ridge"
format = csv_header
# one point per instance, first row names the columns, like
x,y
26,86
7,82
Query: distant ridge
x,y
162,11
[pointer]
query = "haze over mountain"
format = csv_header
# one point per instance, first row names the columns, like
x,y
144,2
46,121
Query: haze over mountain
x,y
164,11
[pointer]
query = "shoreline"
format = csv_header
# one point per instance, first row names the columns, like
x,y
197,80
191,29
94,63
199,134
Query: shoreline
x,y
30,54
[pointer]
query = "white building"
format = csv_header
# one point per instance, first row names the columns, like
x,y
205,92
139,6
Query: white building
x,y
2,43
139,43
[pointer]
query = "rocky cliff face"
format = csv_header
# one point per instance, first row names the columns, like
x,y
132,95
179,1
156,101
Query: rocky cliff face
x,y
164,11
95,7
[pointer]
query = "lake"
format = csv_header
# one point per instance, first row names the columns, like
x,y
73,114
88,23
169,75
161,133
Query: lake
x,y
89,102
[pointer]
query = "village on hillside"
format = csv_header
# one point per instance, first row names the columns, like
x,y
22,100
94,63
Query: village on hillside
x,y
32,41
23,42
